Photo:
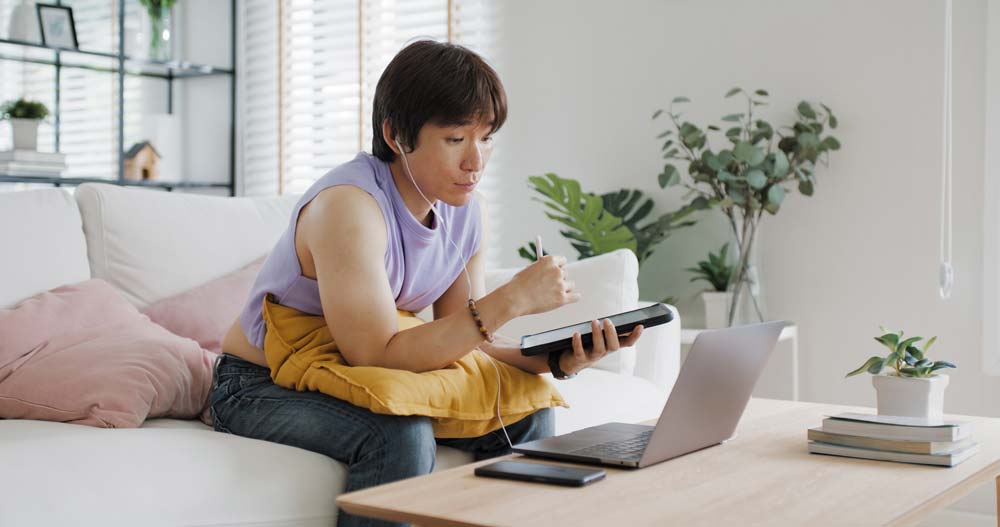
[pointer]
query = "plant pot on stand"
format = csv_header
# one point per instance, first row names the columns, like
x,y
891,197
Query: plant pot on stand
x,y
911,396
25,132
716,308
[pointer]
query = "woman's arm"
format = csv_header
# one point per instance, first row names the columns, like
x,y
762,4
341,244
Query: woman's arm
x,y
456,299
344,233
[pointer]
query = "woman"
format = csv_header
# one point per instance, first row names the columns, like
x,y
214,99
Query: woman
x,y
364,242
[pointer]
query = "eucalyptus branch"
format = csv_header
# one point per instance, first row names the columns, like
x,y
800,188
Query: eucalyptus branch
x,y
749,177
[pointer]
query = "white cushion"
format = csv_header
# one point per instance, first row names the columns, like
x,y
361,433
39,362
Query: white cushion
x,y
608,284
42,244
152,244
596,397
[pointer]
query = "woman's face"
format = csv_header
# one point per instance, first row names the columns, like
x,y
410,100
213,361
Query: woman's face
x,y
448,161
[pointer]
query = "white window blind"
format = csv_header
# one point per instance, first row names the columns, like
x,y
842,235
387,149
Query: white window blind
x,y
320,76
319,89
388,26
257,113
307,76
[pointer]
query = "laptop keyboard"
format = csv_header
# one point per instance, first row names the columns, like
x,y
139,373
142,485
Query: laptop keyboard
x,y
619,448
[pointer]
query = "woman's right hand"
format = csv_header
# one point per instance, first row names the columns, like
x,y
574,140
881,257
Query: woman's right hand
x,y
542,286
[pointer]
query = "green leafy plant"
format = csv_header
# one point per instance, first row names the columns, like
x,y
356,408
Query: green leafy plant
x,y
716,271
649,235
155,7
601,224
591,229
156,10
905,357
24,109
752,173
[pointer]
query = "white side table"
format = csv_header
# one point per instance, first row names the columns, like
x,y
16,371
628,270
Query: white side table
x,y
773,382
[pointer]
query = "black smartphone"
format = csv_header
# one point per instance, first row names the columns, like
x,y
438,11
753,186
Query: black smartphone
x,y
541,473
562,338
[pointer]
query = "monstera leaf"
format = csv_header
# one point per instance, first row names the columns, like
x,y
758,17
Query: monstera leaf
x,y
622,203
591,229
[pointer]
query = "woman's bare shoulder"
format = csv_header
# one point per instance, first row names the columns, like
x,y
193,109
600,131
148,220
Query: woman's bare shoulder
x,y
343,208
341,219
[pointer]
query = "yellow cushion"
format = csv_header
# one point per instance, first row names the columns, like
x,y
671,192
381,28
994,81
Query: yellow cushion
x,y
460,399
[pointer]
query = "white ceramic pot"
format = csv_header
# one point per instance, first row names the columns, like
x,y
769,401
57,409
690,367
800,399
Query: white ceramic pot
x,y
911,396
25,133
716,308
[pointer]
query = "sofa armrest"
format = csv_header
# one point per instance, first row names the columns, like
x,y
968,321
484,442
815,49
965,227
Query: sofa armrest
x,y
658,352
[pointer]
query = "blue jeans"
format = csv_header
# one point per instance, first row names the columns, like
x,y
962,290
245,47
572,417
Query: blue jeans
x,y
376,448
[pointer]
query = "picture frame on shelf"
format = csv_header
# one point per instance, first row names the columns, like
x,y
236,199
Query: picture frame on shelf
x,y
57,27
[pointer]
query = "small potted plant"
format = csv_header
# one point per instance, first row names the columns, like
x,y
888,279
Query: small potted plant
x,y
911,388
717,272
24,116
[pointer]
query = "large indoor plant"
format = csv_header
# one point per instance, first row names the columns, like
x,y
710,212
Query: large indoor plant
x,y
601,224
751,173
24,116
717,271
911,388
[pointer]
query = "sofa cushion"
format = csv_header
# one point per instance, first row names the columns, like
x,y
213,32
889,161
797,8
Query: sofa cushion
x,y
152,245
608,284
205,313
460,399
82,354
42,241
598,396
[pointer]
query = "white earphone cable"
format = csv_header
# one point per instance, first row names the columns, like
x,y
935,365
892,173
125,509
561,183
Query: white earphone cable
x,y
465,268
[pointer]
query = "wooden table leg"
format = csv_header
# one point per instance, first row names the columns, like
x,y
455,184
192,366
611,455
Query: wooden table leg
x,y
998,501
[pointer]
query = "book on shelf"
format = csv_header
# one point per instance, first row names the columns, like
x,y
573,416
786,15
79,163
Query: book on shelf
x,y
947,460
31,169
32,156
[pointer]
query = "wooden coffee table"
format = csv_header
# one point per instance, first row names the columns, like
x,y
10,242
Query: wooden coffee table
x,y
763,476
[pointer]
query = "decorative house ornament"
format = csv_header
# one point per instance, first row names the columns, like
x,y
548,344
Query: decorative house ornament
x,y
142,162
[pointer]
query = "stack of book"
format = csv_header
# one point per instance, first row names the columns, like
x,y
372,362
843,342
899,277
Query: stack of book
x,y
890,438
32,163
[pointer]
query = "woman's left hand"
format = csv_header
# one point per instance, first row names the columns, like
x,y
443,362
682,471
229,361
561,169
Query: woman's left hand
x,y
606,340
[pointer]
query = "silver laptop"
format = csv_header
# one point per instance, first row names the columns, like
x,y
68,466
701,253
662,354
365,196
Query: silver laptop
x,y
711,392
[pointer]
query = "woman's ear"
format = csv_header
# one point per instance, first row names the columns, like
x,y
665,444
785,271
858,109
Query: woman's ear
x,y
389,137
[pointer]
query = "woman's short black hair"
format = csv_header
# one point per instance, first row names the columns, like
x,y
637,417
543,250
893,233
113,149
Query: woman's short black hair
x,y
445,84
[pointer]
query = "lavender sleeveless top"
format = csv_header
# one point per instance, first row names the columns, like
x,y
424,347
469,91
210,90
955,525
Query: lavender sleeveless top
x,y
420,262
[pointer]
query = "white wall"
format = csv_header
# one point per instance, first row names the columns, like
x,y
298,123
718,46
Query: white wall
x,y
583,79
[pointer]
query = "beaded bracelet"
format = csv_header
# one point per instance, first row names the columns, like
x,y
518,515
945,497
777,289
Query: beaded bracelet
x,y
479,322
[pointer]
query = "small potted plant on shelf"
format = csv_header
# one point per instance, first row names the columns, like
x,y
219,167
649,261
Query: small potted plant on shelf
x,y
717,272
911,388
24,116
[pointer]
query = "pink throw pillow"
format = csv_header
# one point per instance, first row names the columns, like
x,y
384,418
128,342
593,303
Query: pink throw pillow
x,y
205,313
82,354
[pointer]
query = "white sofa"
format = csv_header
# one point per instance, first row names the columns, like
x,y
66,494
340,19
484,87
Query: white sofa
x,y
151,245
